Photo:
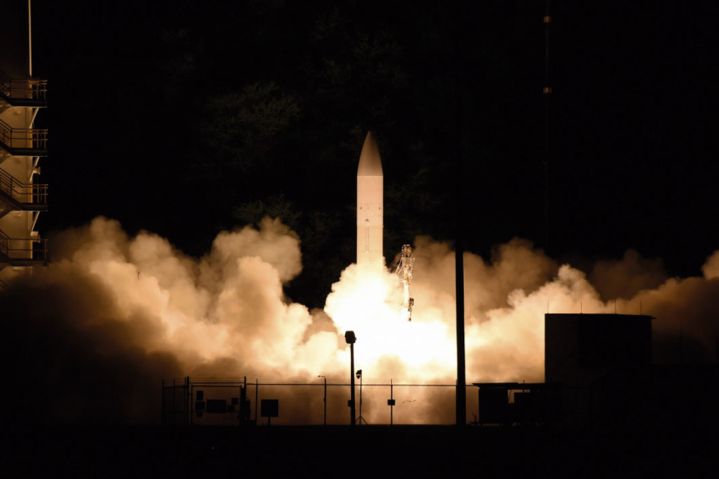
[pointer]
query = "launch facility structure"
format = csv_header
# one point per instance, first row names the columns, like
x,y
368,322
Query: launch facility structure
x,y
22,96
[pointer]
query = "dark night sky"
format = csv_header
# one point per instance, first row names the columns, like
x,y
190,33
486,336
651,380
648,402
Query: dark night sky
x,y
183,119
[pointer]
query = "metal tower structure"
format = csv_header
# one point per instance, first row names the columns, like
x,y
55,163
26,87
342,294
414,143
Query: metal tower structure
x,y
405,270
22,145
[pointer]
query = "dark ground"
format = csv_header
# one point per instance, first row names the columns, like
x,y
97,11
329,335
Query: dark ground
x,y
374,451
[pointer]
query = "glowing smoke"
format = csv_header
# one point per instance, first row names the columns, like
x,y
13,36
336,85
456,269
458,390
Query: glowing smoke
x,y
113,314
229,305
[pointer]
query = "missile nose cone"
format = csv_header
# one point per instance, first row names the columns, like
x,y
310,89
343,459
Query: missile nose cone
x,y
370,163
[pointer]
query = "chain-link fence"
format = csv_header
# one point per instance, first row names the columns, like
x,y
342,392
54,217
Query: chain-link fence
x,y
200,401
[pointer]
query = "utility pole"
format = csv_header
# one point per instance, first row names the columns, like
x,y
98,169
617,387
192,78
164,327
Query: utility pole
x,y
350,338
361,418
461,388
29,37
547,93
324,401
461,395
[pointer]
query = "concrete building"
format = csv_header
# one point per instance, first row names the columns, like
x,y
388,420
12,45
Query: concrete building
x,y
581,349
601,365
598,368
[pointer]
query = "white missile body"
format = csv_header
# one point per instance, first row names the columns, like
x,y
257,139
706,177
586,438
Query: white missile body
x,y
370,205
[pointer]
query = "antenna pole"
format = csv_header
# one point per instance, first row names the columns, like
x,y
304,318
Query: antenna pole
x,y
547,92
29,36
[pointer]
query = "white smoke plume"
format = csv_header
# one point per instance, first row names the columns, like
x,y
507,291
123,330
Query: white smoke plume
x,y
229,305
112,315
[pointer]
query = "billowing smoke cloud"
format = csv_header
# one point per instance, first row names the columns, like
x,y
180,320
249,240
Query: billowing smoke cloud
x,y
70,355
711,267
623,279
227,307
94,333
90,337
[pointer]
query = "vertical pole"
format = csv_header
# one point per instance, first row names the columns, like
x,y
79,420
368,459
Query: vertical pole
x,y
324,400
188,396
163,412
352,385
361,418
460,396
547,92
257,395
174,408
681,347
244,411
29,36
391,408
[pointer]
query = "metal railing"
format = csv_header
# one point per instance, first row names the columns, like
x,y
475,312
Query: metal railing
x,y
28,194
34,139
25,89
24,249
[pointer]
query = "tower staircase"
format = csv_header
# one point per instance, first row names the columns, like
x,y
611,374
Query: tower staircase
x,y
21,147
18,196
19,252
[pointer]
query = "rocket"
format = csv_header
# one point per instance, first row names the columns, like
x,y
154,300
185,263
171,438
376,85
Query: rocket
x,y
370,205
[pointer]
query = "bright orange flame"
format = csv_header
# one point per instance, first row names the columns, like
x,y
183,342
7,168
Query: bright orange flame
x,y
369,301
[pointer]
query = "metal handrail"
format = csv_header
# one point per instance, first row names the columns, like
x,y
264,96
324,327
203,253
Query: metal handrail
x,y
23,193
23,89
23,138
23,248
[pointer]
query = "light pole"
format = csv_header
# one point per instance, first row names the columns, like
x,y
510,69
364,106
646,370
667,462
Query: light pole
x,y
324,400
350,338
359,376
